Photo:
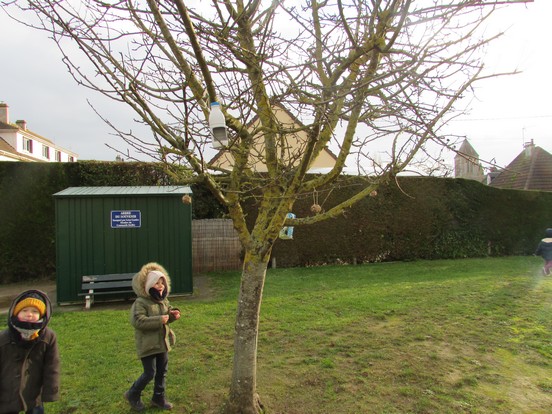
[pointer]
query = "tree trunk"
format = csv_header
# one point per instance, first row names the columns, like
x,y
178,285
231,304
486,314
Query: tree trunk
x,y
243,398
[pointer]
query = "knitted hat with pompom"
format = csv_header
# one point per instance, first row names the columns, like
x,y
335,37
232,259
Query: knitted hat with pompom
x,y
26,330
32,300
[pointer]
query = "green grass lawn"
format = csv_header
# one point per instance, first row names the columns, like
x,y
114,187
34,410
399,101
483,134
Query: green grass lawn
x,y
446,336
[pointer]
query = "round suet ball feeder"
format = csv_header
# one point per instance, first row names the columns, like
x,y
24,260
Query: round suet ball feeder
x,y
315,208
187,199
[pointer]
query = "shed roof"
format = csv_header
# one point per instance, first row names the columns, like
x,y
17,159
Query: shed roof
x,y
124,191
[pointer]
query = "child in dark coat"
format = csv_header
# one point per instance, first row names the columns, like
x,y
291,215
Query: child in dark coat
x,y
544,249
150,315
29,356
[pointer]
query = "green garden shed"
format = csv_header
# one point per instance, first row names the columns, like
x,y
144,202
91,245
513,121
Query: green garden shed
x,y
107,230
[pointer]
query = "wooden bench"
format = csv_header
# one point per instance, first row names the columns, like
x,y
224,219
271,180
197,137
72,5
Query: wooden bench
x,y
114,284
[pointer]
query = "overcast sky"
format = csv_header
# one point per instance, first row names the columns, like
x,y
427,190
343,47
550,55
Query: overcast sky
x,y
505,113
511,110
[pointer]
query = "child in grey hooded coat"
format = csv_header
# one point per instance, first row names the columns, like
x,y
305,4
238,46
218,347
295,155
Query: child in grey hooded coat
x,y
150,315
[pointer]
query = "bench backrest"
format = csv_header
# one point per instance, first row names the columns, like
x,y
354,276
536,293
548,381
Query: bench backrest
x,y
105,278
112,281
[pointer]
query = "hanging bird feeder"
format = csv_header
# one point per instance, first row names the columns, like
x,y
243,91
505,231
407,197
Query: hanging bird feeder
x,y
287,231
217,124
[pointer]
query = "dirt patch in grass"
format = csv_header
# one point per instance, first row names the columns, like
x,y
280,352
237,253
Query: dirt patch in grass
x,y
8,292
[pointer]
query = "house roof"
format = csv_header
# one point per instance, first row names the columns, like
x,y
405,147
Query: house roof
x,y
5,147
4,126
530,170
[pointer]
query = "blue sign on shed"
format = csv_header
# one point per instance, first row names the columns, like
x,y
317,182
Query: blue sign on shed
x,y
125,219
107,230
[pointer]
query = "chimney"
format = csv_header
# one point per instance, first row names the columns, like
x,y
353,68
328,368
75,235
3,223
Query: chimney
x,y
4,113
528,146
22,124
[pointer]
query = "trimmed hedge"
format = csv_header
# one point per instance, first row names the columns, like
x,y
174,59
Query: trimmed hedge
x,y
27,208
413,218
420,218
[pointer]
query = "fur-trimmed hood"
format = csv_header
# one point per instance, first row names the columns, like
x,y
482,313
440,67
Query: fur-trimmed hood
x,y
44,297
140,278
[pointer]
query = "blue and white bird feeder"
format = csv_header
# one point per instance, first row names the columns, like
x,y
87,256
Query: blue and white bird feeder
x,y
287,231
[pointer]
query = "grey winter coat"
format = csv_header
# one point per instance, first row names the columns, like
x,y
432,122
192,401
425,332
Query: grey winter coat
x,y
29,370
151,335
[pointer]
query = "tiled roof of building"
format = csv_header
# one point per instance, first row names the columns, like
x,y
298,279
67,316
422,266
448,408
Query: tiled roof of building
x,y
4,146
530,170
4,125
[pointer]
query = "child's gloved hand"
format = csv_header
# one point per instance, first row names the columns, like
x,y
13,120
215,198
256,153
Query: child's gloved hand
x,y
175,313
164,318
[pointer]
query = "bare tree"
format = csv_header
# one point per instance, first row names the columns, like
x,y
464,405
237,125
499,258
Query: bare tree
x,y
358,74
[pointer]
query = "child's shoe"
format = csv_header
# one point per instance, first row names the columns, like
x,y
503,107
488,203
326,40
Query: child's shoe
x,y
135,401
159,401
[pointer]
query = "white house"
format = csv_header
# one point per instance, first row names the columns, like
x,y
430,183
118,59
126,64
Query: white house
x,y
17,143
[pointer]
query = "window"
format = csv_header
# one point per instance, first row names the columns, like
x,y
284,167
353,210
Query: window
x,y
46,151
27,145
71,159
58,156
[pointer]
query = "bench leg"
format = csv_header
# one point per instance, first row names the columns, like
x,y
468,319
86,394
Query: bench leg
x,y
89,300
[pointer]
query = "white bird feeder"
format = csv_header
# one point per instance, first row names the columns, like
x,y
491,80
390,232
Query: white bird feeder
x,y
217,125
